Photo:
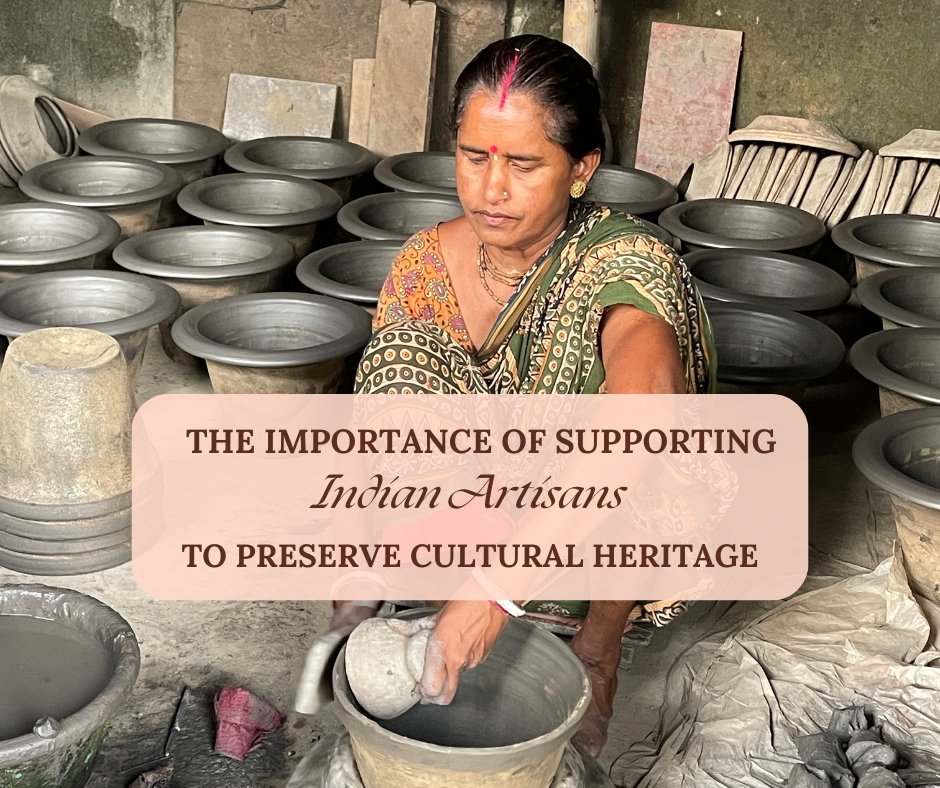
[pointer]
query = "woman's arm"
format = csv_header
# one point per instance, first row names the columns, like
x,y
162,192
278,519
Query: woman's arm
x,y
640,353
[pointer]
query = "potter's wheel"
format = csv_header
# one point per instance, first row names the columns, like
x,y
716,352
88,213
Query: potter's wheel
x,y
330,765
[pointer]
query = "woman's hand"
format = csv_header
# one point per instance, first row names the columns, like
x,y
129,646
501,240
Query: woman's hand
x,y
464,633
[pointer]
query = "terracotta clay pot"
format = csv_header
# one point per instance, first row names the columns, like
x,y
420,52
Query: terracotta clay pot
x,y
884,241
204,263
422,172
742,224
130,191
38,237
279,203
771,350
396,217
903,297
354,272
334,163
630,190
283,343
900,454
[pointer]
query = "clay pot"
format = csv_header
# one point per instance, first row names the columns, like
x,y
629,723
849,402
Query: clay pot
x,y
65,500
508,724
630,190
130,191
742,224
354,272
886,241
904,364
279,203
332,162
396,217
66,758
903,297
282,343
206,263
192,149
900,454
423,172
40,237
771,350
124,306
760,279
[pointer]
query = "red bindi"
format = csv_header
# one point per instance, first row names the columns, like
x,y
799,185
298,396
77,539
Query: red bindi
x,y
494,149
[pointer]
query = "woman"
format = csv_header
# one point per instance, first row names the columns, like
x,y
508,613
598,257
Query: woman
x,y
532,291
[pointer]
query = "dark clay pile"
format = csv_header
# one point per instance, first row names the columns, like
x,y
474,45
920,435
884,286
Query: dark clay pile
x,y
850,754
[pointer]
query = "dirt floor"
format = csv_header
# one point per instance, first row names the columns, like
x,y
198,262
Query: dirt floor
x,y
261,645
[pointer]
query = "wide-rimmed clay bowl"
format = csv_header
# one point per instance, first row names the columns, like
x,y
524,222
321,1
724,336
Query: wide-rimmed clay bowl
x,y
903,297
354,271
742,224
334,163
281,343
426,172
771,351
396,217
131,191
38,237
203,263
630,190
884,241
904,364
279,203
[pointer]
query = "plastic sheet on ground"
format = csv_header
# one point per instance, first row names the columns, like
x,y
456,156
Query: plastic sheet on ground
x,y
735,703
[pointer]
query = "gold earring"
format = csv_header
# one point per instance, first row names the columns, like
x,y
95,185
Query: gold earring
x,y
577,189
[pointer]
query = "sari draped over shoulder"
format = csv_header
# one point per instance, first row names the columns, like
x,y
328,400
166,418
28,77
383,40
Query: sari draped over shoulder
x,y
546,338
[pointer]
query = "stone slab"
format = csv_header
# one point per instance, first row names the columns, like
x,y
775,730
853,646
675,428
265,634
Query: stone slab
x,y
924,200
688,96
899,195
360,100
267,107
405,54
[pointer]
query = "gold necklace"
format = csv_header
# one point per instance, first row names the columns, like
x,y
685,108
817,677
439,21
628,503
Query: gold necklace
x,y
511,278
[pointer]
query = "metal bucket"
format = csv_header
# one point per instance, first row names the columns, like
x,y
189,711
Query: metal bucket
x,y
396,217
274,343
742,224
900,454
508,724
884,241
282,204
64,755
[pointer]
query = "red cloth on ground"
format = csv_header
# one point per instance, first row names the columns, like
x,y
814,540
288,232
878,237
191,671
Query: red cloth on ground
x,y
242,720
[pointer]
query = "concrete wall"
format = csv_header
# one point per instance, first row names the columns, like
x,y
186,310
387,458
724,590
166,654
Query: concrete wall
x,y
114,56
866,65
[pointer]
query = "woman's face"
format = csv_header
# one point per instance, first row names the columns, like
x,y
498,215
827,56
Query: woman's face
x,y
513,181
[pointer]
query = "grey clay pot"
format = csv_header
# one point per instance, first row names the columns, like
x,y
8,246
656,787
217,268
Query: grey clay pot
x,y
353,271
396,217
630,190
884,241
903,297
422,172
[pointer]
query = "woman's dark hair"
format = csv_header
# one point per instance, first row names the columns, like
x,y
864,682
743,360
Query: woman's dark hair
x,y
552,73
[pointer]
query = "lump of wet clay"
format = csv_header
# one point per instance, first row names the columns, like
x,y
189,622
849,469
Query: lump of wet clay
x,y
864,754
823,751
806,777
872,734
846,722
384,667
879,777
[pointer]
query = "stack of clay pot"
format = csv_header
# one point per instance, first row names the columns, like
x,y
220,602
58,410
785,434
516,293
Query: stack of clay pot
x,y
33,128
809,164
65,432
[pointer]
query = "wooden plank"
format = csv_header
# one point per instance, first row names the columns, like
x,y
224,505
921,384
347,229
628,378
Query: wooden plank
x,y
267,107
688,96
405,53
581,27
360,100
